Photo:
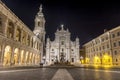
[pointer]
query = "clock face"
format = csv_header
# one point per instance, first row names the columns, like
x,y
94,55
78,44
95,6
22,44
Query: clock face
x,y
37,34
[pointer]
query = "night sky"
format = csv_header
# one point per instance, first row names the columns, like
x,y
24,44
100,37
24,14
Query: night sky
x,y
84,19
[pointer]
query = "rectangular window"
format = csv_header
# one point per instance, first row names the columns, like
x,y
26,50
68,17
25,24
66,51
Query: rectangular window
x,y
102,39
115,52
100,48
113,35
107,45
103,47
62,49
0,23
116,60
114,44
106,38
119,43
118,33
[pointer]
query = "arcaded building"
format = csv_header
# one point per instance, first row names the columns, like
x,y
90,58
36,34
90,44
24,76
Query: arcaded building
x,y
104,50
18,44
62,49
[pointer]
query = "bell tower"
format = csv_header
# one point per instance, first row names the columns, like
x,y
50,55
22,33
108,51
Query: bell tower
x,y
39,29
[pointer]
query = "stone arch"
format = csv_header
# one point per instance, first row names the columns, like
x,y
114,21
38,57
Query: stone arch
x,y
10,30
7,55
16,56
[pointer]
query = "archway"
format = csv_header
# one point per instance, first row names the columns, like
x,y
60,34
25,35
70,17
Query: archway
x,y
16,54
7,55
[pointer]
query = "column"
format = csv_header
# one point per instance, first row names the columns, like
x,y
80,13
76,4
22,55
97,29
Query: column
x,y
14,34
5,27
12,57
69,53
21,36
2,54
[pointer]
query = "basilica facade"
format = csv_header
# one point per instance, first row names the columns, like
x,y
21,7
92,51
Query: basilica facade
x,y
18,44
62,49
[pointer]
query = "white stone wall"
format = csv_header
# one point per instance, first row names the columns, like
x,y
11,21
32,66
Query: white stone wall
x,y
62,44
14,51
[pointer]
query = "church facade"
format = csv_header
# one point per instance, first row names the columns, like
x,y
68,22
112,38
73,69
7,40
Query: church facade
x,y
62,49
19,46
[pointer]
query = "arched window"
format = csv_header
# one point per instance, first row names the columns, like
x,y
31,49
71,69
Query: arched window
x,y
24,37
10,30
62,42
39,23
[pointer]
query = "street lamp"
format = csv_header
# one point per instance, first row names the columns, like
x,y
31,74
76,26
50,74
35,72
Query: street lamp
x,y
97,60
107,60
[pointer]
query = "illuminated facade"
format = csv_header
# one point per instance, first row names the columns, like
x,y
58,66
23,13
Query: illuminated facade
x,y
18,44
62,49
104,50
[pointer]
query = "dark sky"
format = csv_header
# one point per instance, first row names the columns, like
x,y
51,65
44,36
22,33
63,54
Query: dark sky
x,y
84,19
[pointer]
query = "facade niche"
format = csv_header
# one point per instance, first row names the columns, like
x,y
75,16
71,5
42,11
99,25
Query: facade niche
x,y
32,42
10,30
24,37
18,35
28,40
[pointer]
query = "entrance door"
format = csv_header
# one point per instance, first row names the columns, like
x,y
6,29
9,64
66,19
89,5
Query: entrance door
x,y
62,57
72,59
